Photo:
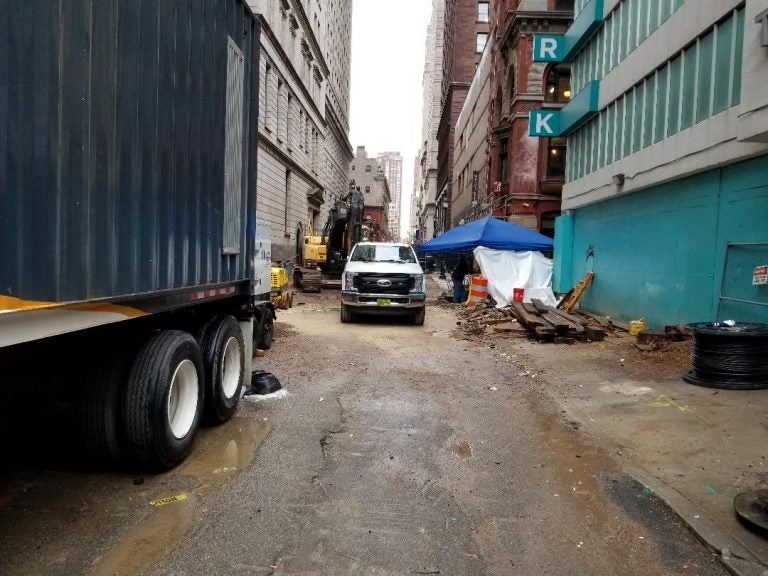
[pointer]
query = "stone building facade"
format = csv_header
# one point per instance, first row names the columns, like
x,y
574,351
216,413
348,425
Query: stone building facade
x,y
304,149
367,174
425,186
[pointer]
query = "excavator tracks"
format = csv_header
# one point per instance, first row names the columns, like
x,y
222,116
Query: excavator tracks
x,y
307,279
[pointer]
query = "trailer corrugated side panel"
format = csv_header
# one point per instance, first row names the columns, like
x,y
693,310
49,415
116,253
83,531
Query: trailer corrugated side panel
x,y
113,141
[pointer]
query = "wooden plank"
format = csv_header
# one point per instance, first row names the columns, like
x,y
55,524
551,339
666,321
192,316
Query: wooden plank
x,y
594,334
526,319
530,308
570,317
556,322
601,320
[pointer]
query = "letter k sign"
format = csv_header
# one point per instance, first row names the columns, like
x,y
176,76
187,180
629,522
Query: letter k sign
x,y
544,123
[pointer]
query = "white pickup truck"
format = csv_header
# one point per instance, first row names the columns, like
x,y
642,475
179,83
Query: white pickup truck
x,y
383,278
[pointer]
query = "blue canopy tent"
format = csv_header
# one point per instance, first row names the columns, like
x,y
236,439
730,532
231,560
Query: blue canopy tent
x,y
491,233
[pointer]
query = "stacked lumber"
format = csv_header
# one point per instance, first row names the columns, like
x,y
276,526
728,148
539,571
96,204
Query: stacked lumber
x,y
548,324
535,320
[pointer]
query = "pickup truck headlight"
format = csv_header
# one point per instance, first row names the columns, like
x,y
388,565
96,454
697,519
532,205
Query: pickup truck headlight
x,y
349,281
418,283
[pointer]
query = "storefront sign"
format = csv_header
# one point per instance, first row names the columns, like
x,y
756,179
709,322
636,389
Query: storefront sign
x,y
559,48
545,123
549,48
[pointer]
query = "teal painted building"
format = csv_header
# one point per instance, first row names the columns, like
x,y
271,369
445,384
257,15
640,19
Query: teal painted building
x,y
666,195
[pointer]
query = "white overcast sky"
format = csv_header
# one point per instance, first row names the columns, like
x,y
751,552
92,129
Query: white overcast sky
x,y
388,39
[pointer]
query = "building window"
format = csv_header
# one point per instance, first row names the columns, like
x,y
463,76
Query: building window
x,y
556,158
367,167
268,113
503,160
482,11
482,38
558,87
565,5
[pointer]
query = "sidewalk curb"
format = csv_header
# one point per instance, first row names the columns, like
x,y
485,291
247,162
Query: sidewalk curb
x,y
734,555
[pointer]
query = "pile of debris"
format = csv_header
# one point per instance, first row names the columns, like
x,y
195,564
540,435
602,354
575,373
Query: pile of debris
x,y
537,320
551,324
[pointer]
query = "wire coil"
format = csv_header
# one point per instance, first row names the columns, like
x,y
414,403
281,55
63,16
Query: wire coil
x,y
729,356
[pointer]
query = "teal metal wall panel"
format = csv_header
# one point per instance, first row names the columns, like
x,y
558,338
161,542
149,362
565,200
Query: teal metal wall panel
x,y
743,204
562,279
658,253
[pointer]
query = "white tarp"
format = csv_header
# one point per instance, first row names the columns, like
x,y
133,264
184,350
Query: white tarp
x,y
507,270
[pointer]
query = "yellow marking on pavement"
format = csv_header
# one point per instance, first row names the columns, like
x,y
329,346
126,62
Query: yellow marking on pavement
x,y
664,401
169,500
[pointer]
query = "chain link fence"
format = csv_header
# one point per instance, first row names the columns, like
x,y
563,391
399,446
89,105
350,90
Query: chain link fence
x,y
744,290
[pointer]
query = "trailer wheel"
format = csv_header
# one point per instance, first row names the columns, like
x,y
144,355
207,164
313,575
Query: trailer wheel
x,y
100,430
163,400
221,343
266,331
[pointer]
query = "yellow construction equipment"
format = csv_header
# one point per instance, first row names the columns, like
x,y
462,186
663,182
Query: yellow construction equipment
x,y
282,296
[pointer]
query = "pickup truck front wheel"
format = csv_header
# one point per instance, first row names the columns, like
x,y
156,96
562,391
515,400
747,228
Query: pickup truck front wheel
x,y
418,317
346,314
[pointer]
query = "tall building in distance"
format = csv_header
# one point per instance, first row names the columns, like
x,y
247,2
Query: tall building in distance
x,y
367,174
465,34
425,188
304,149
391,164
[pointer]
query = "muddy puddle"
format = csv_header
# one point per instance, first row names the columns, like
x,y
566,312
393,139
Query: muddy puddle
x,y
218,454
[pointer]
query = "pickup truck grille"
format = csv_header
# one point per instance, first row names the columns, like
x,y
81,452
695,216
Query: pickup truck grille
x,y
397,283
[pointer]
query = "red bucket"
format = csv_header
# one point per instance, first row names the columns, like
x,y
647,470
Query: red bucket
x,y
517,294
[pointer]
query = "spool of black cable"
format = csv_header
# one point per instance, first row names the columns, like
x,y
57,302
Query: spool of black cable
x,y
729,355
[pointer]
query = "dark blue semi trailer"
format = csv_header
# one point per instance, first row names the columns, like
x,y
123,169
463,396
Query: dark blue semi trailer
x,y
132,266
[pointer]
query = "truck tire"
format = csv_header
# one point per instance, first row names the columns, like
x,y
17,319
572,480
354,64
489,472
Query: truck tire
x,y
223,350
100,430
418,317
346,314
163,400
266,331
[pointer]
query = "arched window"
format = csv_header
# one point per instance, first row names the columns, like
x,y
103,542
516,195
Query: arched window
x,y
558,85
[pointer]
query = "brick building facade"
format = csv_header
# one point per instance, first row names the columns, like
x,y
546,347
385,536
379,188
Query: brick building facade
x,y
526,174
465,34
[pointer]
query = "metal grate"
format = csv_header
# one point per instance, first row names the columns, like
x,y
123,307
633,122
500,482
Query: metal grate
x,y
373,283
233,153
743,296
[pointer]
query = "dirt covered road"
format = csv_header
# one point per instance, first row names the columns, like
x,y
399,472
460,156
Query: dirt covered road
x,y
398,450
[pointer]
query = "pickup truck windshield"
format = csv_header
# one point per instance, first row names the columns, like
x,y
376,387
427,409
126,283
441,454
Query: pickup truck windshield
x,y
383,253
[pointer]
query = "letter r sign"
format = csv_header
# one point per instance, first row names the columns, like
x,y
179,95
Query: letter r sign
x,y
548,48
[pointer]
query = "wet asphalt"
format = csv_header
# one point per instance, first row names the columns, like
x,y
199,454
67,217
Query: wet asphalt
x,y
398,450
